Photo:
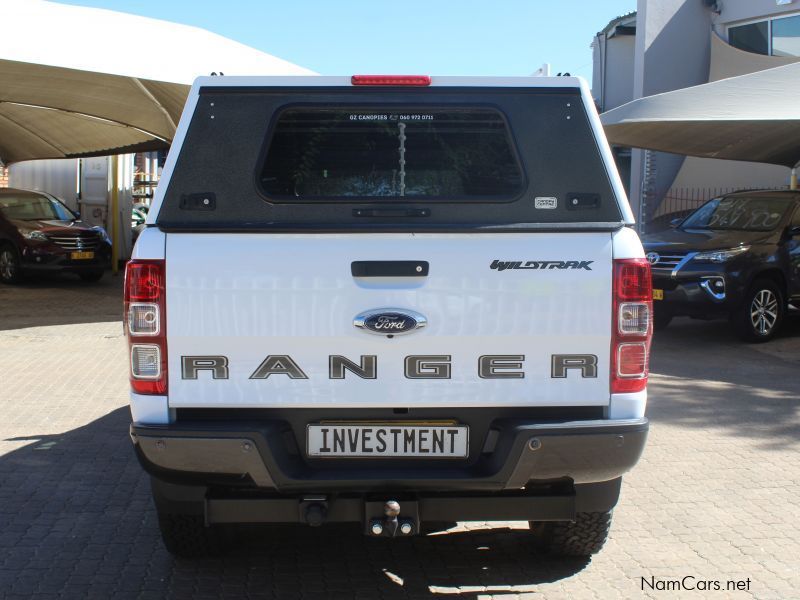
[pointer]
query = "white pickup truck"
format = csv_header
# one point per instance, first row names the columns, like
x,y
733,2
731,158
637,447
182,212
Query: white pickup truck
x,y
393,301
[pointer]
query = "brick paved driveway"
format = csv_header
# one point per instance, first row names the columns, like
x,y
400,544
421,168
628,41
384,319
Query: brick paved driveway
x,y
716,496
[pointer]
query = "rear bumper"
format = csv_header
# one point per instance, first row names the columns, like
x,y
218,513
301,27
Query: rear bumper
x,y
237,454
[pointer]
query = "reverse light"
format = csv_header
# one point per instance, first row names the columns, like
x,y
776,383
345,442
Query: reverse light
x,y
396,80
143,318
633,318
720,256
145,325
632,325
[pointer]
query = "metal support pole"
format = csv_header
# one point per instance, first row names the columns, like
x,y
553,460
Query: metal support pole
x,y
793,179
112,218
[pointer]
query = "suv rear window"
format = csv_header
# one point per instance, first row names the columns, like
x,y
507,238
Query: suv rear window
x,y
391,154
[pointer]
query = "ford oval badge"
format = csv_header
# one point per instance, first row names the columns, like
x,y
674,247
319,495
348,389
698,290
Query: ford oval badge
x,y
390,321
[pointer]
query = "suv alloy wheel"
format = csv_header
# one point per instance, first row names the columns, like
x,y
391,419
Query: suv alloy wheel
x,y
761,313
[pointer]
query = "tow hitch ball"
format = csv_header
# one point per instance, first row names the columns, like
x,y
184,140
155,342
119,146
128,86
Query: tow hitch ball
x,y
390,525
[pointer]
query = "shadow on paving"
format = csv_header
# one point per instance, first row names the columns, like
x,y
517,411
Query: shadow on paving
x,y
76,520
704,377
60,299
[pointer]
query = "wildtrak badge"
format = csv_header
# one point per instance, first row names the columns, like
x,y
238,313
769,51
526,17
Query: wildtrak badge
x,y
501,265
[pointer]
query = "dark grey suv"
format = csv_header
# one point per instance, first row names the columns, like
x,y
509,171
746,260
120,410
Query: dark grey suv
x,y
736,256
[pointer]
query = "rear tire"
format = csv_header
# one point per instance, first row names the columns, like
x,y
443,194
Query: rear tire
x,y
186,536
91,276
761,312
10,265
580,538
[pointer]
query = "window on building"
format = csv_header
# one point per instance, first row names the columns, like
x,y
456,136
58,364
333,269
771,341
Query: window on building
x,y
786,36
753,37
776,37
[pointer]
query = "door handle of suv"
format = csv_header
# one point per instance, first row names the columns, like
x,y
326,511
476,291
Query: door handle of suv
x,y
389,268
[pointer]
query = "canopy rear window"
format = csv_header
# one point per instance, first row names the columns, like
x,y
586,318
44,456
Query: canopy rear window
x,y
360,158
454,153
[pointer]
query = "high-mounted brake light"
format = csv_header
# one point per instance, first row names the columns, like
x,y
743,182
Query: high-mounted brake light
x,y
145,325
397,80
632,326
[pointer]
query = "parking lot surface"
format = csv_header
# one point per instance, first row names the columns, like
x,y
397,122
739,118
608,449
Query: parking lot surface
x,y
715,498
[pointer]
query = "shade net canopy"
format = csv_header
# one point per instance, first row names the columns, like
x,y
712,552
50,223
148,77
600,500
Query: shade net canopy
x,y
754,117
52,112
72,83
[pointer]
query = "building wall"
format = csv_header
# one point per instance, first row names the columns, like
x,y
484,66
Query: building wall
x,y
672,52
618,88
613,51
699,177
699,172
55,176
728,61
746,10
672,45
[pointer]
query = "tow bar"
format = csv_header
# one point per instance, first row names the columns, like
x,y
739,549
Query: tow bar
x,y
392,524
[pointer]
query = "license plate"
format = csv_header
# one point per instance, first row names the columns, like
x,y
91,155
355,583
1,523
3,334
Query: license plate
x,y
658,294
81,255
387,440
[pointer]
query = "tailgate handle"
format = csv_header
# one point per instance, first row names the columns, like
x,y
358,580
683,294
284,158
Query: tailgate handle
x,y
389,268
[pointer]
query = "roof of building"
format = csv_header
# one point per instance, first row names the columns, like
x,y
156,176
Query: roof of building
x,y
627,20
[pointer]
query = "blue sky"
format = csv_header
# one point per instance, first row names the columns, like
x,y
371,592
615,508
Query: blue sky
x,y
441,37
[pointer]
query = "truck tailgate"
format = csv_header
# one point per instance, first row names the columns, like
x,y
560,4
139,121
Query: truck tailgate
x,y
247,297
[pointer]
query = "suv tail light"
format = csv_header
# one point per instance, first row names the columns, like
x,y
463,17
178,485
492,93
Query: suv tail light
x,y
632,326
397,80
146,326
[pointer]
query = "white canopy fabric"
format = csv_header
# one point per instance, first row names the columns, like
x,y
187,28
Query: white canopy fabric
x,y
77,81
754,117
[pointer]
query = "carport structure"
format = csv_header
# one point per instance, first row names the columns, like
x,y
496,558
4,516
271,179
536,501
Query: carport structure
x,y
79,82
754,117
56,112
74,83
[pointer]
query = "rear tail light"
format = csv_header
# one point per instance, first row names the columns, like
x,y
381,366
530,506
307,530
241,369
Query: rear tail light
x,y
145,361
143,319
633,318
145,325
632,325
396,80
